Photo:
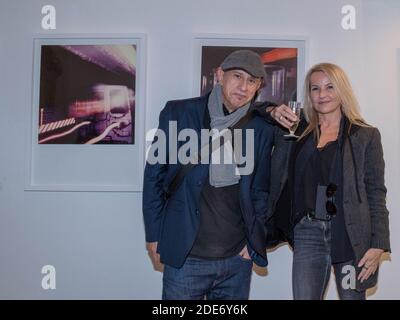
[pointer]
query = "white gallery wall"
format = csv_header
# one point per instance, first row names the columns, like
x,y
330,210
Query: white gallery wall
x,y
95,240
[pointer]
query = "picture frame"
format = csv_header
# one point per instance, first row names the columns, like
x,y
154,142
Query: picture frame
x,y
95,83
284,58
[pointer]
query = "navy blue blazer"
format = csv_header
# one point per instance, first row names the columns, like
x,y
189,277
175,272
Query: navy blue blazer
x,y
174,222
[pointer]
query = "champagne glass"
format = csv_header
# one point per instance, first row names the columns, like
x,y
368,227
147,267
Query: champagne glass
x,y
296,108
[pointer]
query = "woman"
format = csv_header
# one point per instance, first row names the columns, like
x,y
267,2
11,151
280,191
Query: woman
x,y
336,185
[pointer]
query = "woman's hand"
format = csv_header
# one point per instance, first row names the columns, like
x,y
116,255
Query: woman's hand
x,y
370,263
283,115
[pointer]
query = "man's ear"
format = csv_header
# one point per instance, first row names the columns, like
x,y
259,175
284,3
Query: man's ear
x,y
220,74
261,85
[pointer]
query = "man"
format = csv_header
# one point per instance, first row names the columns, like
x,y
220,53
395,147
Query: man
x,y
211,228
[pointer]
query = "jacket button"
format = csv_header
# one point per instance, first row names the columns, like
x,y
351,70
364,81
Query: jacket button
x,y
199,183
197,211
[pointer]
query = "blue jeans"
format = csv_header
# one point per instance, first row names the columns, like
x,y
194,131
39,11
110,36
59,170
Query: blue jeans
x,y
312,263
198,279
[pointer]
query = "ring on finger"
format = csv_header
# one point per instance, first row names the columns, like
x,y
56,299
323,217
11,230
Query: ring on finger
x,y
280,118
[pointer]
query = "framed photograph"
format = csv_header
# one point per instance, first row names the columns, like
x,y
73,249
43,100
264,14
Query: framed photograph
x,y
284,63
87,123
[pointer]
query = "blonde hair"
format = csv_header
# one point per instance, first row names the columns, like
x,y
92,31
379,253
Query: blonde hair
x,y
341,84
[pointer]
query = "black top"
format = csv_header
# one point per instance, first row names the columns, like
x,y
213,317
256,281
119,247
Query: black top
x,y
317,171
222,230
320,170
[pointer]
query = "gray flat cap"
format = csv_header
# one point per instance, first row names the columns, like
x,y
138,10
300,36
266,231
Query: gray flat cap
x,y
246,60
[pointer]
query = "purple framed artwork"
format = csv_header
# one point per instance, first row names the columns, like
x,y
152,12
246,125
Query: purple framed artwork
x,y
88,94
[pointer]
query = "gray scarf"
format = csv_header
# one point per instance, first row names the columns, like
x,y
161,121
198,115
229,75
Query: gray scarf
x,y
222,174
